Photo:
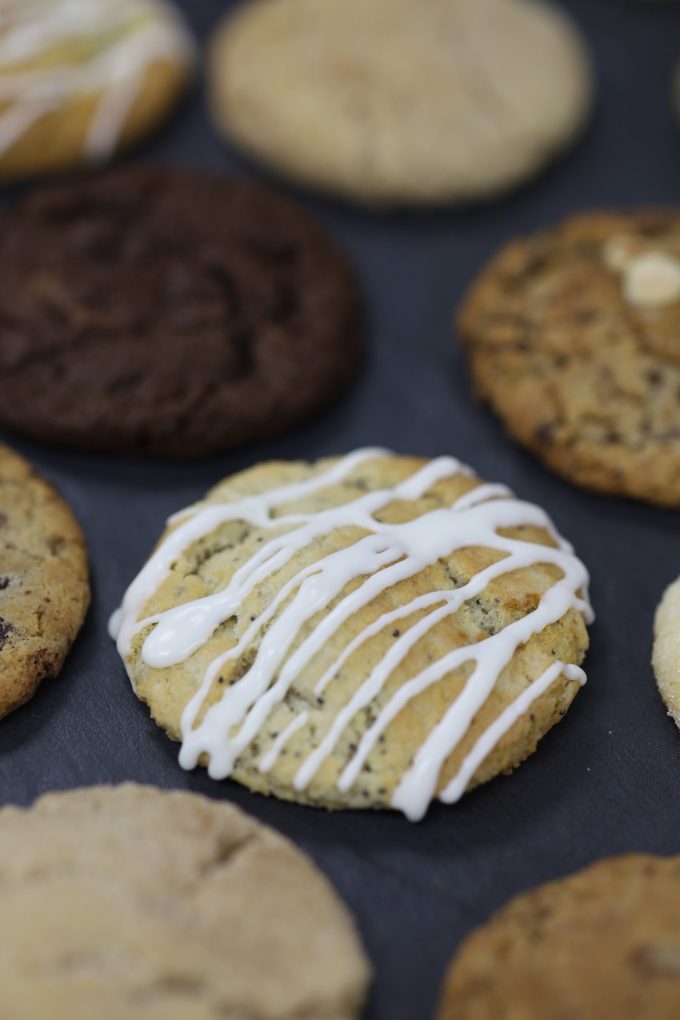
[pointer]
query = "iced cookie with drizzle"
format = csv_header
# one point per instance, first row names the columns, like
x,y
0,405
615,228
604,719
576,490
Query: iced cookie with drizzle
x,y
371,631
81,79
574,340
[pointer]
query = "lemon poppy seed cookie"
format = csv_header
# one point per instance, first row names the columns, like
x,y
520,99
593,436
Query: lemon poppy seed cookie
x,y
80,79
44,588
400,102
168,312
137,903
601,943
574,340
666,654
369,631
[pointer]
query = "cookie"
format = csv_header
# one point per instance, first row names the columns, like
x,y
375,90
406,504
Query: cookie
x,y
666,654
168,313
573,340
131,902
371,631
394,102
44,588
81,79
601,943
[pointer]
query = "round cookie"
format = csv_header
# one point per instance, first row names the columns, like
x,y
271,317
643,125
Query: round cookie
x,y
601,943
44,589
136,903
81,79
573,340
666,654
400,102
169,313
371,631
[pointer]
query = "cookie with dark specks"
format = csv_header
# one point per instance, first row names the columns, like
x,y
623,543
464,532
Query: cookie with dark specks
x,y
168,313
44,589
370,631
604,942
574,340
130,903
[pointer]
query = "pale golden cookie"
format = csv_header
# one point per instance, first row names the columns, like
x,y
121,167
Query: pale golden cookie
x,y
603,943
394,101
128,903
574,340
666,655
81,79
44,588
335,644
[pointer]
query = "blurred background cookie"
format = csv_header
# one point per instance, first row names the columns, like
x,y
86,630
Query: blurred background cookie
x,y
400,102
170,313
80,79
131,902
371,631
604,942
574,340
666,655
44,589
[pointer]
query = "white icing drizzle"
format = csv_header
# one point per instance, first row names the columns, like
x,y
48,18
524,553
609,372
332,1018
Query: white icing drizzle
x,y
384,556
117,70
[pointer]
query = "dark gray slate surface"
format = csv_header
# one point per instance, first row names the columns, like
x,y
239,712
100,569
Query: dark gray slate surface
x,y
603,782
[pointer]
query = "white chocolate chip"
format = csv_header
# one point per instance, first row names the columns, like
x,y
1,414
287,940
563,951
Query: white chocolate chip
x,y
652,279
618,252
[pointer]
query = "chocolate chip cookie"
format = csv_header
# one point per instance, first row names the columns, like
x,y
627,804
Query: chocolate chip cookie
x,y
44,589
604,942
574,340
168,313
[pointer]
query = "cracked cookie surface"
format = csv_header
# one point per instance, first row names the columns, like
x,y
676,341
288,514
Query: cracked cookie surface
x,y
574,340
604,942
168,313
130,903
307,680
44,588
401,102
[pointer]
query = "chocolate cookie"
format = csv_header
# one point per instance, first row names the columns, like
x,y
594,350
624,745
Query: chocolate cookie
x,y
44,590
168,313
602,943
574,339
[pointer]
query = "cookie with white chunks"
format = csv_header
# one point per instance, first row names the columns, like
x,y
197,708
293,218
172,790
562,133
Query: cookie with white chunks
x,y
44,587
136,903
398,102
666,654
169,312
82,79
369,631
604,942
574,340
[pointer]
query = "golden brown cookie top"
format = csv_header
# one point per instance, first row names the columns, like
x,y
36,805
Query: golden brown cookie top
x,y
367,631
44,588
134,903
602,943
574,339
